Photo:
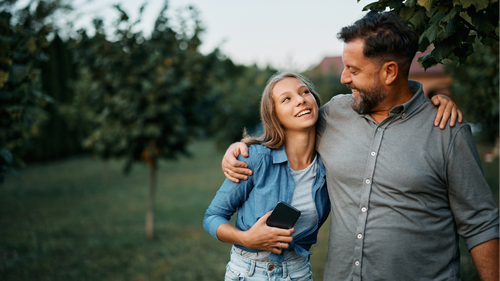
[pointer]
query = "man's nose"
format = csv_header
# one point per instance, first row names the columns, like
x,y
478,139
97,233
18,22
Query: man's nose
x,y
345,78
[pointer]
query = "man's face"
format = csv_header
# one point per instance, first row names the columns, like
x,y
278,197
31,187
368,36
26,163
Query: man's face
x,y
361,75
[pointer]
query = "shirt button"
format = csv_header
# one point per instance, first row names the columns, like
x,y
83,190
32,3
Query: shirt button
x,y
363,209
270,267
367,181
404,114
359,236
373,153
357,263
379,129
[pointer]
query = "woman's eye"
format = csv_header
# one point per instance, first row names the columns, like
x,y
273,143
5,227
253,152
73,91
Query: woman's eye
x,y
285,99
306,92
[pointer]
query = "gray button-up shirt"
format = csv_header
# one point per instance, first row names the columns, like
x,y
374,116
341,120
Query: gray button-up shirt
x,y
401,191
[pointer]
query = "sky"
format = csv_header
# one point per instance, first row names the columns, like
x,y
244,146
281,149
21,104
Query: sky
x,y
285,34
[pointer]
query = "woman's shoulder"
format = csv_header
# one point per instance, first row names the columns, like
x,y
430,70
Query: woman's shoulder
x,y
259,149
256,153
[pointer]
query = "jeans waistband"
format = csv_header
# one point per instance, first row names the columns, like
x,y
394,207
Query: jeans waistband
x,y
253,266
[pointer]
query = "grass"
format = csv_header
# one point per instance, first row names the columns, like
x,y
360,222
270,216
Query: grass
x,y
80,219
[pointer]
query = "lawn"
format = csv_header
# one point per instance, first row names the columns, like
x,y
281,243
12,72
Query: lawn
x,y
81,219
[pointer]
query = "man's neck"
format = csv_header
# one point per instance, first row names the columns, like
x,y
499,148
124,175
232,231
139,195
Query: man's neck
x,y
396,96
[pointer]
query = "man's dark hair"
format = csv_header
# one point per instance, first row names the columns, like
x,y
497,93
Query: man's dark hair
x,y
387,37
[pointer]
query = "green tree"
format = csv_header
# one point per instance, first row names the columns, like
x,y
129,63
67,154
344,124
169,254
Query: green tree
x,y
142,98
21,96
475,86
239,89
452,26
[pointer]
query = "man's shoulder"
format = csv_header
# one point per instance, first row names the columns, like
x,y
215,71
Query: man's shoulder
x,y
338,103
428,112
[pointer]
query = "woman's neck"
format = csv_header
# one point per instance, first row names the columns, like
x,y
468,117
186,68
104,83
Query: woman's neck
x,y
300,148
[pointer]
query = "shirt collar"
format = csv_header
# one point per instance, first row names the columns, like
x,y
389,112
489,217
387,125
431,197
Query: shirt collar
x,y
406,109
279,155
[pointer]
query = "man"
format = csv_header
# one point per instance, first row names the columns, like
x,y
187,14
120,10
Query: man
x,y
401,190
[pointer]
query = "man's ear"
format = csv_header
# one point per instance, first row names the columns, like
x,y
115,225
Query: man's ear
x,y
389,72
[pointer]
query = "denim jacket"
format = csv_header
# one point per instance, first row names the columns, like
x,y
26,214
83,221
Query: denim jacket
x,y
270,183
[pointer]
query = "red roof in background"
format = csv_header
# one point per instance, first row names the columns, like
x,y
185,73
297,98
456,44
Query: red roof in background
x,y
335,64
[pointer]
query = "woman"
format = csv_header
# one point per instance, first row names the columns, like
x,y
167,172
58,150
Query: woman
x,y
286,168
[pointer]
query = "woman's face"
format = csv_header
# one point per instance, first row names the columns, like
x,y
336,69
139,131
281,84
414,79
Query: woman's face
x,y
295,106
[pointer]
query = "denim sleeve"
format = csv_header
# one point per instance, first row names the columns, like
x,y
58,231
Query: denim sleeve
x,y
471,199
230,197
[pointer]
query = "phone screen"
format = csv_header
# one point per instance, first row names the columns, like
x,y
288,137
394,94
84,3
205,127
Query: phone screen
x,y
283,216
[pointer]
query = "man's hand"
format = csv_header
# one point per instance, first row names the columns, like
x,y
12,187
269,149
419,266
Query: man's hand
x,y
447,110
233,169
485,257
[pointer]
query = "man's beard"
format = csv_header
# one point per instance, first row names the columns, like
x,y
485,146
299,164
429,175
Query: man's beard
x,y
368,98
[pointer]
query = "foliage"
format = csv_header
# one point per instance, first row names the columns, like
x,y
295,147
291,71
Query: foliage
x,y
452,26
21,98
475,86
142,98
239,90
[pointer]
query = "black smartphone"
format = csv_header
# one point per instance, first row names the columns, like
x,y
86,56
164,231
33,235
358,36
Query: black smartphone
x,y
283,216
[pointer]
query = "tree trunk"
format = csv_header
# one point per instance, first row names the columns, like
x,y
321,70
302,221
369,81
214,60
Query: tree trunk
x,y
496,150
151,203
104,171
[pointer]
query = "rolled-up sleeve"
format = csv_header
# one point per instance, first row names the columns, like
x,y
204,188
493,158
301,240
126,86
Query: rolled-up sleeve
x,y
471,199
228,199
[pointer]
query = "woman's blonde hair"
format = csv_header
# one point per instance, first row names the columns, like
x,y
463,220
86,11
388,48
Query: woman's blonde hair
x,y
274,134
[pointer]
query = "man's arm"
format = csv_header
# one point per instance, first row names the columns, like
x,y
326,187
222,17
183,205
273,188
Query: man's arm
x,y
485,257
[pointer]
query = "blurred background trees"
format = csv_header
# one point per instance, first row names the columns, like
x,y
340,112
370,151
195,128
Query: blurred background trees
x,y
22,101
118,93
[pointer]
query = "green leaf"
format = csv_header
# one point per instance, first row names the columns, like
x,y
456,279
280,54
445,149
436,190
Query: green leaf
x,y
427,61
442,50
481,22
451,15
456,3
479,4
432,32
410,3
431,13
427,4
419,19
406,13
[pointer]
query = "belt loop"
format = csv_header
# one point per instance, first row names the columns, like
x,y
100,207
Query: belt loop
x,y
285,271
252,269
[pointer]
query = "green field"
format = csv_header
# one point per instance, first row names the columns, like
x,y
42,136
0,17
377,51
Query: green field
x,y
80,219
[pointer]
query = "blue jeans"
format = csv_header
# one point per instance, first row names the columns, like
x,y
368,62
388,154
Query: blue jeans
x,y
241,268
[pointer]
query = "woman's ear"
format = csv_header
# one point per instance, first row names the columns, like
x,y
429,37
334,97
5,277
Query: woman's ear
x,y
389,71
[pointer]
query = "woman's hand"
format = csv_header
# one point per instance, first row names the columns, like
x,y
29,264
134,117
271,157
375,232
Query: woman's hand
x,y
263,237
233,169
447,110
260,236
